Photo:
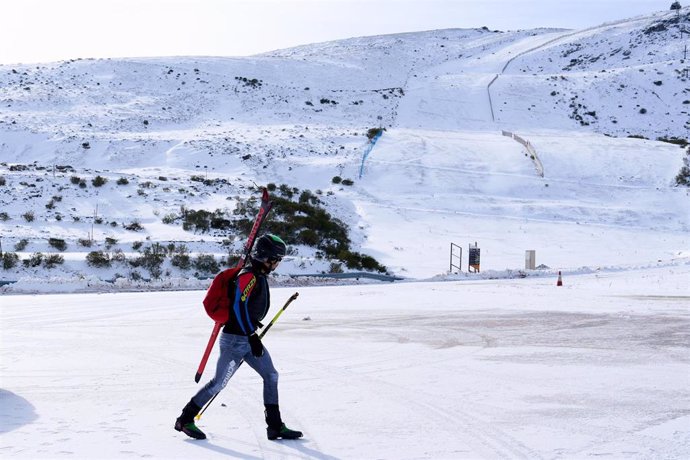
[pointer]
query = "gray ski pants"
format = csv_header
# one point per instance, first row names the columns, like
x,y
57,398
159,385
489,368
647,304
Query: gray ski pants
x,y
233,350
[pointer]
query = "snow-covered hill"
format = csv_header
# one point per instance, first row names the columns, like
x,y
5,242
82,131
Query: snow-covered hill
x,y
201,132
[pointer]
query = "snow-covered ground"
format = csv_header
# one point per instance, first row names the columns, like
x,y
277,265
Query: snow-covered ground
x,y
437,370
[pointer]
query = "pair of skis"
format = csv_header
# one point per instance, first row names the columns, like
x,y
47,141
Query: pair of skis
x,y
266,206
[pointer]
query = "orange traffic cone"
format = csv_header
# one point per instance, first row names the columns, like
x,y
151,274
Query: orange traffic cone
x,y
560,280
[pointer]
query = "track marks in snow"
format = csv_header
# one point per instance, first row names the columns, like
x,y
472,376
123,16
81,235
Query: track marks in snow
x,y
479,436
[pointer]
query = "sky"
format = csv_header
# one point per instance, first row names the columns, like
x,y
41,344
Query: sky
x,y
51,30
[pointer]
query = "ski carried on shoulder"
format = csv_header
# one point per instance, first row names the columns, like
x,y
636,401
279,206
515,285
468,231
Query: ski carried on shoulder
x,y
266,205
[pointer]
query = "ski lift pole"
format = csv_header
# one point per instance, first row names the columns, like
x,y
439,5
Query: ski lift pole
x,y
261,335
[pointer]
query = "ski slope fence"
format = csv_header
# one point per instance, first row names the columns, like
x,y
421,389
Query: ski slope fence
x,y
367,150
488,91
530,149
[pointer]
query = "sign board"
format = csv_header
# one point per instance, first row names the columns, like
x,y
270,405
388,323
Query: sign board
x,y
474,258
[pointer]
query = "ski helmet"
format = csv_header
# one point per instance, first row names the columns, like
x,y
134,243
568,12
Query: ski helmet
x,y
269,248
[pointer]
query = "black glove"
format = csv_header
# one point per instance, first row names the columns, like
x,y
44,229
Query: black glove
x,y
257,346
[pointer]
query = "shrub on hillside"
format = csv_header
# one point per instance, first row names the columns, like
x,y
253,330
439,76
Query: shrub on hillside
x,y
206,264
85,242
203,221
4,216
57,243
110,242
170,218
99,181
152,259
180,258
122,181
34,260
118,256
133,226
29,216
51,260
683,177
21,244
98,259
674,140
286,191
373,132
335,268
9,260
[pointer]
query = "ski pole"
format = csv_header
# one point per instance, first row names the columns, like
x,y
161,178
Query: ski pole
x,y
261,335
277,315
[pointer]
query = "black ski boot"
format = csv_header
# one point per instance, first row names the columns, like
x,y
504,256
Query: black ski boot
x,y
276,428
185,422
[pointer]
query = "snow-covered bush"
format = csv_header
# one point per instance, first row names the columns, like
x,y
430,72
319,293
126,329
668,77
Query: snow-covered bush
x,y
206,264
34,260
57,243
683,177
99,181
98,259
133,226
180,258
51,260
9,260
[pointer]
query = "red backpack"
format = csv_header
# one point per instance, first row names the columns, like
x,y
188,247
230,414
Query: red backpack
x,y
220,294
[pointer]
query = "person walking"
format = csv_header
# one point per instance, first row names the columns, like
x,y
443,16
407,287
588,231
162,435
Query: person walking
x,y
239,342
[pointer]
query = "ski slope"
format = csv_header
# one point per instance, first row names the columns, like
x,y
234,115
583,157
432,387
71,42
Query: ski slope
x,y
599,200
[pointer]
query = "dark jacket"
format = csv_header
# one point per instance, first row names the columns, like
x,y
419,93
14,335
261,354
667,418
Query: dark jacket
x,y
250,303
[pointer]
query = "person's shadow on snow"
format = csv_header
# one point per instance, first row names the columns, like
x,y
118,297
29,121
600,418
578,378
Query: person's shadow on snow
x,y
15,411
206,444
299,444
